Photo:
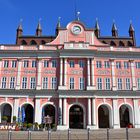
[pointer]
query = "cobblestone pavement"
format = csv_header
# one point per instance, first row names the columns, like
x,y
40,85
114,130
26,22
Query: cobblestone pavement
x,y
101,134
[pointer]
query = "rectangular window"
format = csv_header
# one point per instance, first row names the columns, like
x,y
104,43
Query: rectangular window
x,y
107,83
54,82
81,63
45,82
107,64
99,83
138,83
127,82
54,63
6,63
25,63
24,82
118,65
12,83
98,64
71,83
46,63
3,82
33,64
137,65
81,82
119,84
71,62
33,83
126,65
14,64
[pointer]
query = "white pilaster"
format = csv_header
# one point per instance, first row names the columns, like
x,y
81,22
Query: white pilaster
x,y
113,74
18,80
38,111
89,111
65,71
15,107
0,113
94,113
39,69
116,122
60,111
136,114
134,87
64,111
61,71
88,71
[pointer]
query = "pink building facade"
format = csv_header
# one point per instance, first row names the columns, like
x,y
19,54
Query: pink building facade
x,y
76,79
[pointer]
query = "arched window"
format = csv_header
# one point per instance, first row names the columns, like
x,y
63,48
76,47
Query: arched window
x,y
129,43
104,42
121,43
43,42
112,43
23,42
33,42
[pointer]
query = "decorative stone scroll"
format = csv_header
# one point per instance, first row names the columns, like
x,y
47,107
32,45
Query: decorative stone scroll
x,y
7,71
50,72
103,72
76,72
29,71
123,72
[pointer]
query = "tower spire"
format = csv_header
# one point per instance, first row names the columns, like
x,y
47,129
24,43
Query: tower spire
x,y
58,26
114,30
97,28
39,29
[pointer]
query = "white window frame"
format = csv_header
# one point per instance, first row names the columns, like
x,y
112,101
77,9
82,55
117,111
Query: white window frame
x,y
12,82
46,63
137,65
106,64
34,63
81,83
54,63
26,63
24,82
45,82
98,64
99,84
126,65
71,63
127,84
6,63
4,82
54,82
118,64
32,83
119,83
81,64
138,83
14,63
107,84
71,83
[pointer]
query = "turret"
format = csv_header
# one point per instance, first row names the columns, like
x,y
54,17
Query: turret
x,y
39,29
132,33
97,29
19,31
58,26
114,30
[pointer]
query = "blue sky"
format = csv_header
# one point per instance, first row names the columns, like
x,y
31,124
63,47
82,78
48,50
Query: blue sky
x,y
122,11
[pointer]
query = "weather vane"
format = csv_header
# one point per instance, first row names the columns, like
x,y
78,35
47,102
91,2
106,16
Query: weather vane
x,y
78,16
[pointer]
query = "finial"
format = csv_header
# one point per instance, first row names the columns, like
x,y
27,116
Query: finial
x,y
78,16
20,24
39,24
58,24
97,24
131,28
114,28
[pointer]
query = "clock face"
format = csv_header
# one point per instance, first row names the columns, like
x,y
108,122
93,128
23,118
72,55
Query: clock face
x,y
76,30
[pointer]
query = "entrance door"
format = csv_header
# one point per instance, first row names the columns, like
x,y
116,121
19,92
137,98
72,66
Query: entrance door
x,y
103,117
76,117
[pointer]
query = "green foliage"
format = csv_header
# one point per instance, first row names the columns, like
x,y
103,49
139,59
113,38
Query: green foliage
x,y
29,125
14,118
4,118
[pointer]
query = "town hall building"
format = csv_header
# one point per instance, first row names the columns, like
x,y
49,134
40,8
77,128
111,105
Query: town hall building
x,y
77,77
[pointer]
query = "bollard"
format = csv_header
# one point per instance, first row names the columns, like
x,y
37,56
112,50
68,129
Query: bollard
x,y
107,133
49,134
69,132
29,135
88,133
9,134
127,137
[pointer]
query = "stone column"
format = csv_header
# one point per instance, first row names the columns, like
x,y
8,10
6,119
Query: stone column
x,y
89,111
0,113
113,74
65,72
15,107
64,111
134,87
60,111
39,70
136,114
18,80
116,117
61,71
0,65
94,114
92,73
88,72
37,110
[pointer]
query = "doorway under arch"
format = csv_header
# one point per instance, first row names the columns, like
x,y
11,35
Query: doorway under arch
x,y
125,116
76,117
27,112
103,117
6,110
49,110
